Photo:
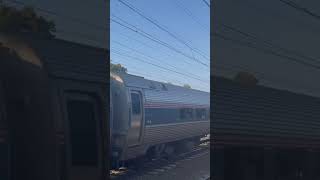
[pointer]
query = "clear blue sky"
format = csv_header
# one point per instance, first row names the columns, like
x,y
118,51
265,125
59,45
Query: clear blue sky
x,y
187,19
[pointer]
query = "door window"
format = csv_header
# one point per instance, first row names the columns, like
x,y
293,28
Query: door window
x,y
136,104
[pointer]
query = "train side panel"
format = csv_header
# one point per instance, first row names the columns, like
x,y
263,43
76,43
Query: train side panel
x,y
166,114
170,113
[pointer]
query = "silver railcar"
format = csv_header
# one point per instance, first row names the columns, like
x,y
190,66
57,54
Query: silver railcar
x,y
151,117
52,110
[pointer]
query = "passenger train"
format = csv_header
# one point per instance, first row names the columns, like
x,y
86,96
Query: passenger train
x,y
53,115
54,112
153,118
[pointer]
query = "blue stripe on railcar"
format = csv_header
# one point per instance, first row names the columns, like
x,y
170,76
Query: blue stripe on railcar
x,y
158,116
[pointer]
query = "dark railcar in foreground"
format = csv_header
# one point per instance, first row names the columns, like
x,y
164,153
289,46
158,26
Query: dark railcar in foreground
x,y
152,118
264,133
53,120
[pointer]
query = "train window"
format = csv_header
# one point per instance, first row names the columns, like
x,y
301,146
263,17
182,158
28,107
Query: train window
x,y
201,113
186,114
135,100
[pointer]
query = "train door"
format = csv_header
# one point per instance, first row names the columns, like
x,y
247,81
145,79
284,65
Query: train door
x,y
135,118
83,138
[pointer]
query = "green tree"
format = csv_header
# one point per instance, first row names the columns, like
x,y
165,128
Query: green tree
x,y
187,86
24,21
246,78
117,68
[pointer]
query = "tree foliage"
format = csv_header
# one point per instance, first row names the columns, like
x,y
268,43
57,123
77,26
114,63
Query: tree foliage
x,y
117,68
246,78
24,21
187,86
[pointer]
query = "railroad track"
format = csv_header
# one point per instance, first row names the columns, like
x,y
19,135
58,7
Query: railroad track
x,y
144,169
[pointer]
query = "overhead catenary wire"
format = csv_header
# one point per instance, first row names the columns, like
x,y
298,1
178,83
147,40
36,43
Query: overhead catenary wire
x,y
170,76
137,71
267,42
63,17
300,8
156,65
137,11
69,18
179,4
266,51
153,58
276,48
157,39
152,38
75,19
206,3
148,45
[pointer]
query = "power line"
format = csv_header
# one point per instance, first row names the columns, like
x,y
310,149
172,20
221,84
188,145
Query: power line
x,y
266,51
206,3
150,57
152,21
267,42
156,65
141,60
190,14
163,75
300,8
148,45
138,72
82,35
238,69
150,37
260,78
144,75
134,9
98,27
69,18
194,49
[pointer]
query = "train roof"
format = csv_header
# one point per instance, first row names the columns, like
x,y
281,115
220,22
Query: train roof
x,y
160,92
61,59
262,115
64,59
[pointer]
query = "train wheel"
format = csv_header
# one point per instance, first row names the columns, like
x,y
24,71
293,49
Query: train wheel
x,y
184,146
156,151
